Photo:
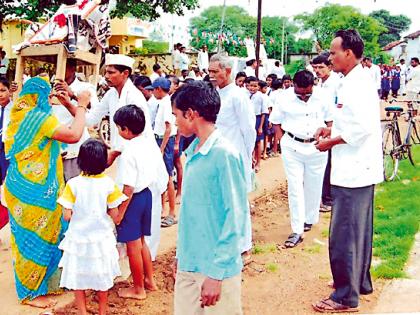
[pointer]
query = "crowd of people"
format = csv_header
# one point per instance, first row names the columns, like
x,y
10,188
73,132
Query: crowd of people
x,y
208,131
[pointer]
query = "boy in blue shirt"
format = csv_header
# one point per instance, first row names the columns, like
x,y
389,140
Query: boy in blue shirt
x,y
213,209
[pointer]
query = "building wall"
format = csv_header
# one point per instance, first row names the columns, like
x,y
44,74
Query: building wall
x,y
12,34
413,48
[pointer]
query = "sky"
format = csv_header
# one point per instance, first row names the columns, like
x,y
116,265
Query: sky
x,y
410,8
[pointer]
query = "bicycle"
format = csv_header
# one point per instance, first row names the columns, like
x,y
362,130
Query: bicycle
x,y
394,149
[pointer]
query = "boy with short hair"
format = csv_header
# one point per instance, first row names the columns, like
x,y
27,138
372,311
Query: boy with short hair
x,y
213,209
165,132
136,173
260,109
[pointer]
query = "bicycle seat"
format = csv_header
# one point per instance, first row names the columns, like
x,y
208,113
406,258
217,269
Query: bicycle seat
x,y
393,109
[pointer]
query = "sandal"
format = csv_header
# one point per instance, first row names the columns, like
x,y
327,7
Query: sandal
x,y
293,240
330,306
307,227
168,221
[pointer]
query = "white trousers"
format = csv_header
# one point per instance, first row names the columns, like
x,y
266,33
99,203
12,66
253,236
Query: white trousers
x,y
246,242
153,240
305,174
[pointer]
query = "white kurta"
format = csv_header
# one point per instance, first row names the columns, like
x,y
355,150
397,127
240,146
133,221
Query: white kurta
x,y
236,122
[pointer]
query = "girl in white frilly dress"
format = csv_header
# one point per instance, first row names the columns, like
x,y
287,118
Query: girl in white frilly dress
x,y
90,200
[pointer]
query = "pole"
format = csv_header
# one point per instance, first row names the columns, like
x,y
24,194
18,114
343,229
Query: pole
x,y
219,44
257,49
282,43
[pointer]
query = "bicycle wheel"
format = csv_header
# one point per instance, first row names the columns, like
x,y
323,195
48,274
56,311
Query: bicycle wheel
x,y
408,141
389,149
415,133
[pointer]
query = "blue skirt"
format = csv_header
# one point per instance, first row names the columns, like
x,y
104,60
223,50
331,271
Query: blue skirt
x,y
257,125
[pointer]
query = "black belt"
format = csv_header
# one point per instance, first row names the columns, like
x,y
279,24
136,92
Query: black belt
x,y
291,135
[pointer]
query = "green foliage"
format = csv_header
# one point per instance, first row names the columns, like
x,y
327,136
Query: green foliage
x,y
394,24
154,47
272,267
397,219
294,67
325,21
302,46
264,248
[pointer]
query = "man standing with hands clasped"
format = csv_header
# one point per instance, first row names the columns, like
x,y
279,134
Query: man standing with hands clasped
x,y
356,166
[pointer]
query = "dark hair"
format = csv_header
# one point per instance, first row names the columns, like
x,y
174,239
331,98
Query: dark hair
x,y
188,80
5,82
402,60
240,74
251,79
72,63
122,68
303,79
277,63
351,40
206,78
286,77
130,117
142,81
367,59
273,76
276,84
250,62
198,96
93,157
322,59
262,84
156,67
415,59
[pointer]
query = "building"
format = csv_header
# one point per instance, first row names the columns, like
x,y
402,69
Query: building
x,y
406,48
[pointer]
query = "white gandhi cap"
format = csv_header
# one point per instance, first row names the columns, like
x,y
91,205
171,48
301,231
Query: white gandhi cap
x,y
123,60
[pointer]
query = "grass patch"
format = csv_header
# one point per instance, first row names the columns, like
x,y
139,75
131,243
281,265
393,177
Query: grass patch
x,y
272,267
264,248
325,233
313,249
397,218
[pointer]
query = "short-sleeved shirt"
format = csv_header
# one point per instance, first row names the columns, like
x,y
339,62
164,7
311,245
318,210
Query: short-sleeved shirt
x,y
89,198
164,115
259,103
135,167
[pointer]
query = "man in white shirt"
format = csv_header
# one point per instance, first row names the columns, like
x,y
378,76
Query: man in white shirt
x,y
74,87
356,166
301,111
374,72
413,80
203,59
184,60
176,59
278,69
4,64
403,76
235,121
165,132
157,72
251,65
329,82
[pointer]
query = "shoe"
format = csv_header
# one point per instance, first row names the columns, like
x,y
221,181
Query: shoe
x,y
307,227
325,208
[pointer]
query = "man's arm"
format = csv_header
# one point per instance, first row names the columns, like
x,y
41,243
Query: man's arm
x,y
246,119
166,136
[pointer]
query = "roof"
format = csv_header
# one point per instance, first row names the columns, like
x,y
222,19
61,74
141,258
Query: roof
x,y
393,44
413,35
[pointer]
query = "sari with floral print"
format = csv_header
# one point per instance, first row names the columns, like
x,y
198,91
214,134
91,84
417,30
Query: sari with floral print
x,y
33,183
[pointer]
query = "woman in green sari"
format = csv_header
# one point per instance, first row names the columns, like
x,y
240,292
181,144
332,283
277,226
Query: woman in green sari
x,y
33,182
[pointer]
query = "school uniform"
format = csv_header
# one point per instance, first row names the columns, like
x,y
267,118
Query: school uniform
x,y
164,115
4,122
71,151
303,163
260,106
356,167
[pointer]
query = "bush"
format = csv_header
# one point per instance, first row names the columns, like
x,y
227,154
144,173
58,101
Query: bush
x,y
294,67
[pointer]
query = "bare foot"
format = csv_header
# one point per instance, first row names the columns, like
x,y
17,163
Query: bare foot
x,y
150,285
130,293
41,302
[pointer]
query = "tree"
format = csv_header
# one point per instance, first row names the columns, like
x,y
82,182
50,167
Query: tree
x,y
146,10
325,21
394,24
238,25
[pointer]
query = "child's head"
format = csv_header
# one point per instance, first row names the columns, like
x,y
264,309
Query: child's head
x,y
130,121
270,78
193,104
263,86
4,91
276,84
174,83
161,87
252,85
287,81
240,79
93,157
